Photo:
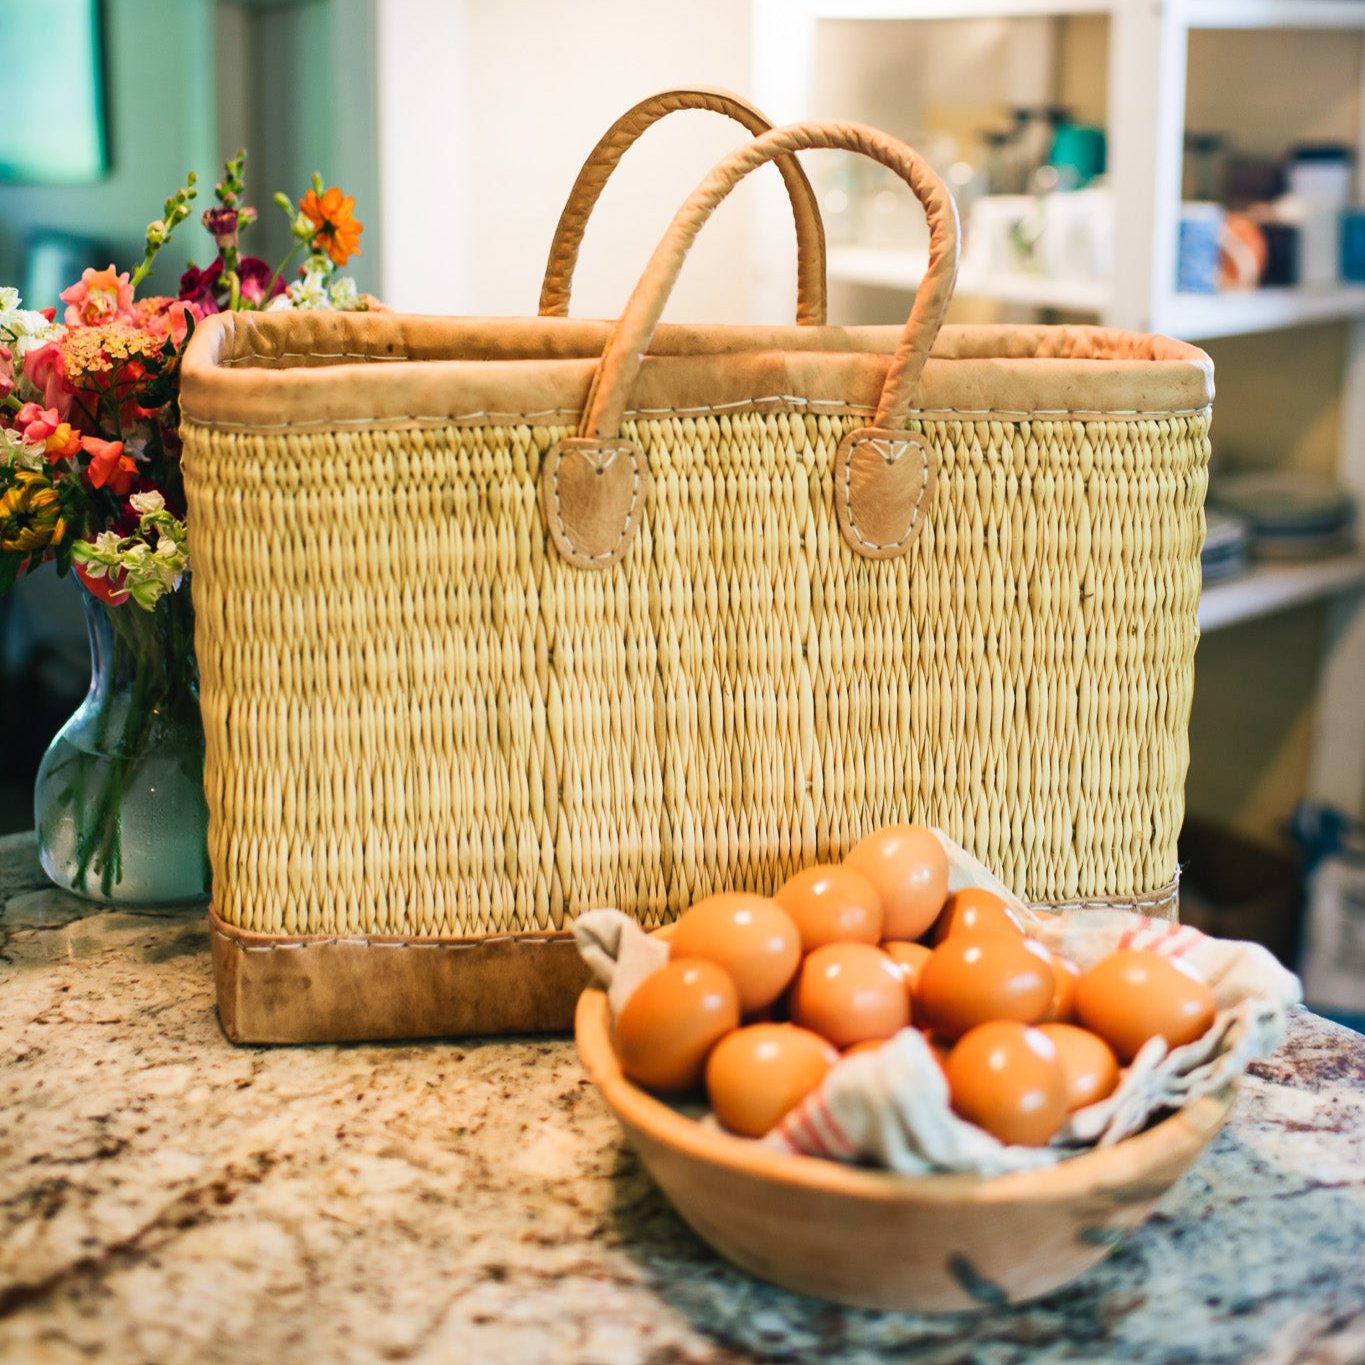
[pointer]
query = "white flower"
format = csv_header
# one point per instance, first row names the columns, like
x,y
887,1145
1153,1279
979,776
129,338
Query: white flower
x,y
344,293
146,575
310,291
14,450
20,327
279,303
145,503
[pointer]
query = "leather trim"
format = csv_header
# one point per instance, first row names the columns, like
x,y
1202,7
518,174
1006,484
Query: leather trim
x,y
327,988
281,372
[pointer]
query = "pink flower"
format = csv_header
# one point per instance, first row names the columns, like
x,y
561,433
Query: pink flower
x,y
164,317
100,296
37,423
6,372
43,366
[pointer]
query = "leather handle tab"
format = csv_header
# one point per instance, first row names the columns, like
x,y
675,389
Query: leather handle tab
x,y
883,483
592,494
630,339
621,136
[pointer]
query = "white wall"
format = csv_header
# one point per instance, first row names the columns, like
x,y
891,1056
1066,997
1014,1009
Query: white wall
x,y
486,111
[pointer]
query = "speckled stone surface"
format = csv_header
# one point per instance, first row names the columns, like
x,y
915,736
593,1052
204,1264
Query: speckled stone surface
x,y
167,1197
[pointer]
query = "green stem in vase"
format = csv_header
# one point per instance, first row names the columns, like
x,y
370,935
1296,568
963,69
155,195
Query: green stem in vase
x,y
149,663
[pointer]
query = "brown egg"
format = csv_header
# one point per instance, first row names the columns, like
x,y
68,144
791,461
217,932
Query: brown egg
x,y
752,937
907,865
971,979
867,1045
831,904
1006,1078
1090,1069
910,958
1065,975
848,992
756,1074
675,1017
976,910
1133,995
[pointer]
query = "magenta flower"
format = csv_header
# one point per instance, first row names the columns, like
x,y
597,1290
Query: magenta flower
x,y
200,286
222,223
255,276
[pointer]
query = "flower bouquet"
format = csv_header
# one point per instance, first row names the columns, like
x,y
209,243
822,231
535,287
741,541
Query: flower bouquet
x,y
90,478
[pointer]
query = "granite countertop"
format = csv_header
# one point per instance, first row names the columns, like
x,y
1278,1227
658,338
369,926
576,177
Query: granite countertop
x,y
167,1197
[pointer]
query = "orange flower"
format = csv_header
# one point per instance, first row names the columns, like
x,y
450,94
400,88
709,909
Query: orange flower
x,y
109,465
338,233
63,443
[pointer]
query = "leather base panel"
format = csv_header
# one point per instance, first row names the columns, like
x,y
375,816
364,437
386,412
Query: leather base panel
x,y
322,989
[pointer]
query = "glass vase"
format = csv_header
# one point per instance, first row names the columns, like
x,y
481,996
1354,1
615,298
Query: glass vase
x,y
119,805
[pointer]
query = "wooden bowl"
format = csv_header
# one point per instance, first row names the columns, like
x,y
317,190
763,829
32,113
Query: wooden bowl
x,y
873,1239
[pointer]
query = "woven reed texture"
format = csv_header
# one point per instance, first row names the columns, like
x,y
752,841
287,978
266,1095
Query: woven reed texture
x,y
421,721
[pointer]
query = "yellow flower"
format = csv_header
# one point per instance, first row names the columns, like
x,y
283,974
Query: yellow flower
x,y
30,515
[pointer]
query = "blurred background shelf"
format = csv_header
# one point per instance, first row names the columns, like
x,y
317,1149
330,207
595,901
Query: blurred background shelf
x,y
1202,317
1277,716
888,268
1192,317
1272,587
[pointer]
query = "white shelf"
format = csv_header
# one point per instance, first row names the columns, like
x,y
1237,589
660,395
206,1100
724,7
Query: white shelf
x,y
891,269
1191,317
1272,587
1254,14
1269,13
948,9
1197,317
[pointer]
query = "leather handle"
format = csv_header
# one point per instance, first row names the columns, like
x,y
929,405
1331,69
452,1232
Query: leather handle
x,y
630,338
606,156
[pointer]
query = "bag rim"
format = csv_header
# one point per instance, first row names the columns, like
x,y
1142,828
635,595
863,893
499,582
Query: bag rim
x,y
284,371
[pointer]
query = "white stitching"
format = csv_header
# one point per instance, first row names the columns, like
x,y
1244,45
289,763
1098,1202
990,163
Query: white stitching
x,y
245,356
877,442
834,406
1166,896
557,455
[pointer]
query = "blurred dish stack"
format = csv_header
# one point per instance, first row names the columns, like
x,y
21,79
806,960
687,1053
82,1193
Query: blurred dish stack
x,y
1227,547
1286,515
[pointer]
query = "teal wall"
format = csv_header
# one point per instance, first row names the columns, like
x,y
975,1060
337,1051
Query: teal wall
x,y
297,88
189,82
161,115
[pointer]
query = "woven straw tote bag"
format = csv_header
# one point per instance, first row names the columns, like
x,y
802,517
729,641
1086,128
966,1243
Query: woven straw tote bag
x,y
501,620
